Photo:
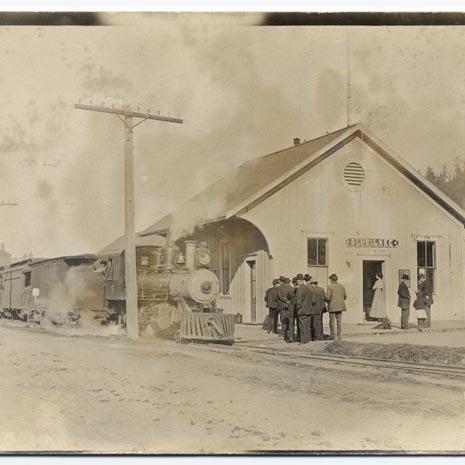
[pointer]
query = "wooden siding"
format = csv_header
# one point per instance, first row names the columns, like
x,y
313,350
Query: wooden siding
x,y
247,245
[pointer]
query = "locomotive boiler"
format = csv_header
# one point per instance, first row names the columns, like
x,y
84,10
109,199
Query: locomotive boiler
x,y
176,293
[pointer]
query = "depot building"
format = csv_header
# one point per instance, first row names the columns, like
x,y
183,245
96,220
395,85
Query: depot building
x,y
342,203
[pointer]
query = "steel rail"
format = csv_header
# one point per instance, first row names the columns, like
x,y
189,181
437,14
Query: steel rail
x,y
402,365
361,357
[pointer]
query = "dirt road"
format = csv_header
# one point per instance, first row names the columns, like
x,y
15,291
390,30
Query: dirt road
x,y
98,394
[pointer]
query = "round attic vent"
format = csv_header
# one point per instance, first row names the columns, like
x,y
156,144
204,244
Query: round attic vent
x,y
354,174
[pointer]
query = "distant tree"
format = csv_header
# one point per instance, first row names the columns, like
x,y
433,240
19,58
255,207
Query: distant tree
x,y
430,175
452,182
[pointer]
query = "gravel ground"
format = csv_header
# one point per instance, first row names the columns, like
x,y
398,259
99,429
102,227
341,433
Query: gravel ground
x,y
96,394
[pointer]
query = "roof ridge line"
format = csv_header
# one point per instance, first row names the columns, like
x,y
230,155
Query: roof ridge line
x,y
301,144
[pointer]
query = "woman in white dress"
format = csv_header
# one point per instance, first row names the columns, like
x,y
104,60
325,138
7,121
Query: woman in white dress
x,y
378,307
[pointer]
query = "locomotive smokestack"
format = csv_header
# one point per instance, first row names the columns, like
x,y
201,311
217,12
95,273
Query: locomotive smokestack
x,y
190,254
168,253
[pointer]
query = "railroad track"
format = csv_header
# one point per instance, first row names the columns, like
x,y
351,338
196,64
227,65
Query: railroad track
x,y
402,365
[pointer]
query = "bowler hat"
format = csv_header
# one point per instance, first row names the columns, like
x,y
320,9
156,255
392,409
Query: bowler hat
x,y
275,281
282,279
287,280
405,276
307,277
333,277
300,277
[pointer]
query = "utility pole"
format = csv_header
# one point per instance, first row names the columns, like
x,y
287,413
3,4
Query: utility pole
x,y
126,116
349,83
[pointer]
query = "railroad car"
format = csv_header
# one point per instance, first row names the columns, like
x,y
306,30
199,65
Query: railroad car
x,y
15,285
67,286
53,288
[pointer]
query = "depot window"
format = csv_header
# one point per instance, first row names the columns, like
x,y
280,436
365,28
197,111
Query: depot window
x,y
317,252
426,260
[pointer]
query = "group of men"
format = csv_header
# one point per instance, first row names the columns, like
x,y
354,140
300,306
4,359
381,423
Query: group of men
x,y
300,307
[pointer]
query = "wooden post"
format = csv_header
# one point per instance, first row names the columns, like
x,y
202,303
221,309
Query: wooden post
x,y
130,270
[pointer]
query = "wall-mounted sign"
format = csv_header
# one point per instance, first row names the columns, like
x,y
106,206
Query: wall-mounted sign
x,y
404,274
371,243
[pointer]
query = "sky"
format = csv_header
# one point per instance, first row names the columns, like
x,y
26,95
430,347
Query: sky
x,y
242,91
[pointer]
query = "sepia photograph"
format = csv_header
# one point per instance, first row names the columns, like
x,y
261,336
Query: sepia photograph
x,y
232,233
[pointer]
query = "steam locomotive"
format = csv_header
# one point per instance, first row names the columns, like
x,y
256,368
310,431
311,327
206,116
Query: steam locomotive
x,y
176,293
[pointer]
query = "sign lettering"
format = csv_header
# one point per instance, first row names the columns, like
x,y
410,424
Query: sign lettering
x,y
369,243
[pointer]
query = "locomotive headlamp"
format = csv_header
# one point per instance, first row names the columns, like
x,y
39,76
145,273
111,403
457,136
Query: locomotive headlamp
x,y
203,257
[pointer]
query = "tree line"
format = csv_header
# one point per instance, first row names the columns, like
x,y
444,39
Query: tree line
x,y
450,180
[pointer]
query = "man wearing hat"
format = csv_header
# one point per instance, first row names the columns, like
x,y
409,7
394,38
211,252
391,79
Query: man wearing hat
x,y
303,309
297,281
307,279
271,300
285,296
404,301
336,297
318,306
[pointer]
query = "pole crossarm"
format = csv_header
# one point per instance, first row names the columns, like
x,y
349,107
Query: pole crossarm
x,y
123,112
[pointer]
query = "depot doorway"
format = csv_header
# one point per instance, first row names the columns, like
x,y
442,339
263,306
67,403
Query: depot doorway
x,y
370,268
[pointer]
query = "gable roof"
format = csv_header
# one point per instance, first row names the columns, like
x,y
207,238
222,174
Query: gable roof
x,y
257,179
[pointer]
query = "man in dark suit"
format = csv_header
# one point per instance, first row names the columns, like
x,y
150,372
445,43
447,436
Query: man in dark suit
x,y
296,282
285,306
426,291
293,323
271,300
404,301
303,309
318,301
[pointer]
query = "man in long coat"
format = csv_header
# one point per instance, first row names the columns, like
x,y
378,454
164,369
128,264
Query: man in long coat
x,y
303,309
285,306
404,301
318,301
336,297
271,300
297,281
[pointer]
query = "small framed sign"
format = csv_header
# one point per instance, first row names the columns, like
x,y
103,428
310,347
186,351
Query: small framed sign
x,y
404,274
